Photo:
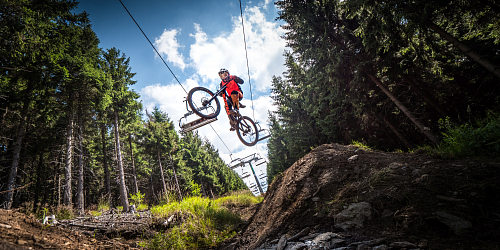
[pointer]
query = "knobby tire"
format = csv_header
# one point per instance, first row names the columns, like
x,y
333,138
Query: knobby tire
x,y
196,104
245,122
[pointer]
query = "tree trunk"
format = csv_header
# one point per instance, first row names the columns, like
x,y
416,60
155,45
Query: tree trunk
x,y
152,184
405,110
11,182
121,175
175,175
162,177
105,161
398,134
426,97
203,188
69,155
464,48
133,164
38,180
79,191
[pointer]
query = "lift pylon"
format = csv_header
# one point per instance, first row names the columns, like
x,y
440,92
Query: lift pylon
x,y
241,162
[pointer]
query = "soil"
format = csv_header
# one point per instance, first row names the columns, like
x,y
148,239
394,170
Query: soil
x,y
19,231
404,190
408,187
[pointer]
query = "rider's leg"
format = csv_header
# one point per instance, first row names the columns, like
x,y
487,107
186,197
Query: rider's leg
x,y
235,97
227,104
229,107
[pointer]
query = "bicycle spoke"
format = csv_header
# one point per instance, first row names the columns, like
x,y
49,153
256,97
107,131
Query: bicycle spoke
x,y
247,131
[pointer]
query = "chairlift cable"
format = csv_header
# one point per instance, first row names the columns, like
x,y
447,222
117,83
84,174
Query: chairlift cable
x,y
173,72
248,68
152,46
246,55
221,140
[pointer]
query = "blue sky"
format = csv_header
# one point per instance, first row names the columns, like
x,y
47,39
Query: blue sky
x,y
196,39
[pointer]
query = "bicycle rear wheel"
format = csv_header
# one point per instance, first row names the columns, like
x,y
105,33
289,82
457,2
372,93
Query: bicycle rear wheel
x,y
247,131
198,102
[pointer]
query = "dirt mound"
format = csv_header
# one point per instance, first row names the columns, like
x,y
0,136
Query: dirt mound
x,y
18,231
405,192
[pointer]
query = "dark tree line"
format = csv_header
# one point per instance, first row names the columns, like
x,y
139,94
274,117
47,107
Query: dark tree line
x,y
72,131
388,74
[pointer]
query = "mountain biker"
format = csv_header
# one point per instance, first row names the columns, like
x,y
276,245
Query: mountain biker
x,y
232,95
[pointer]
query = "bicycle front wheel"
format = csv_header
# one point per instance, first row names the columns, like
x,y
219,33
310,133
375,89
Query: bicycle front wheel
x,y
247,131
198,100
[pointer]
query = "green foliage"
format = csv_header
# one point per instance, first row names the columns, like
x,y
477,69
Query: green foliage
x,y
205,224
343,52
195,189
137,198
103,204
61,212
360,145
480,139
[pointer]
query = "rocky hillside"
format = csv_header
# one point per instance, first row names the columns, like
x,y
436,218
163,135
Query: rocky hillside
x,y
345,197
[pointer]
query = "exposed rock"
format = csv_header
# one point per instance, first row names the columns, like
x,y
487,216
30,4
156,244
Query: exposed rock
x,y
381,247
324,237
423,243
297,246
309,237
403,244
282,243
363,247
457,224
387,213
302,233
336,242
353,158
354,216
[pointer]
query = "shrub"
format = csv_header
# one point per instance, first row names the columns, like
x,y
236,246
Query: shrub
x,y
480,139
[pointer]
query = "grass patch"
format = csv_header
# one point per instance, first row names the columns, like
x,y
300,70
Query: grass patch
x,y
240,198
142,207
103,204
360,145
95,213
201,222
377,177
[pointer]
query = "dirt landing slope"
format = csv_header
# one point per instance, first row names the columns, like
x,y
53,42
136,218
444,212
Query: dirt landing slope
x,y
404,190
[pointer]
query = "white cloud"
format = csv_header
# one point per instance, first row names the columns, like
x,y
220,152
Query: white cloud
x,y
265,49
167,45
168,98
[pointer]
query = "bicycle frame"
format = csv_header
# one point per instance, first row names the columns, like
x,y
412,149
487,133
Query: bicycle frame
x,y
222,89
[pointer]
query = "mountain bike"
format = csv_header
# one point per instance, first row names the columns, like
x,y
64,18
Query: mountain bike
x,y
205,104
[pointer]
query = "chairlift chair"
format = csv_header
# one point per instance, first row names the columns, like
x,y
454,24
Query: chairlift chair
x,y
245,176
192,125
260,163
235,163
265,132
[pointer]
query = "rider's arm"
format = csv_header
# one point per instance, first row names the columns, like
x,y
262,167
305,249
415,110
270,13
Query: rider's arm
x,y
237,79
